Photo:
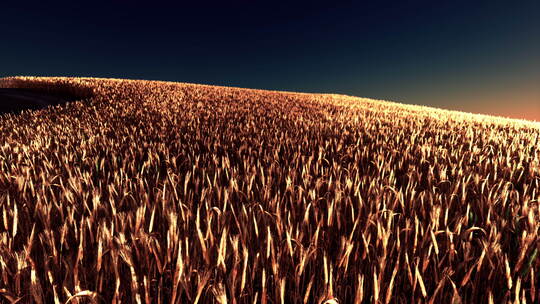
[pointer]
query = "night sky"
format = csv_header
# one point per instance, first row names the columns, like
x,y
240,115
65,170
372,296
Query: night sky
x,y
482,57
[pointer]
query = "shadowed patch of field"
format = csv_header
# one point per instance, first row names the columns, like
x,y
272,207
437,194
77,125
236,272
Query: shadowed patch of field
x,y
16,100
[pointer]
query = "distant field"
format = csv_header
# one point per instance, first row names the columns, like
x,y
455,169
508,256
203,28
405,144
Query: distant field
x,y
161,192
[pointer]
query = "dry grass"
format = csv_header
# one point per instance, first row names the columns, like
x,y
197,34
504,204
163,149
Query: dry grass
x,y
162,192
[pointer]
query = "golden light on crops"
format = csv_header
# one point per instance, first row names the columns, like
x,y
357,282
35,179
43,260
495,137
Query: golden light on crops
x,y
162,192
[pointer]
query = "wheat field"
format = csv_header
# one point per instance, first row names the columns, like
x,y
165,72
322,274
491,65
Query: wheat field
x,y
162,192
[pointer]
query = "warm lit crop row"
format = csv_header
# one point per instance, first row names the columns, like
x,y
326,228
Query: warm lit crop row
x,y
165,192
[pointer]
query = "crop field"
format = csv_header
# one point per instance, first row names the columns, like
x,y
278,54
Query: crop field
x,y
161,192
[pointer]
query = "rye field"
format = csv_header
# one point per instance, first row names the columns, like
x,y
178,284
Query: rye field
x,y
162,192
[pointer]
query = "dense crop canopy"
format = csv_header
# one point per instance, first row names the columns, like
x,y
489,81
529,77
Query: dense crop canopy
x,y
164,192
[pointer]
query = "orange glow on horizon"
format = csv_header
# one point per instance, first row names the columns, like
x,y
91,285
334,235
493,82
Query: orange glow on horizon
x,y
521,102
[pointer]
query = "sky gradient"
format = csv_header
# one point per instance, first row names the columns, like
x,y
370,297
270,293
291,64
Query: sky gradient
x,y
481,58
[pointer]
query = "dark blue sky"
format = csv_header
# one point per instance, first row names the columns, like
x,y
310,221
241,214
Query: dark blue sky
x,y
479,57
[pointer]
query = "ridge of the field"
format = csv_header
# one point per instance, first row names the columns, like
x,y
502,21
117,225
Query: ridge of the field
x,y
86,86
164,192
